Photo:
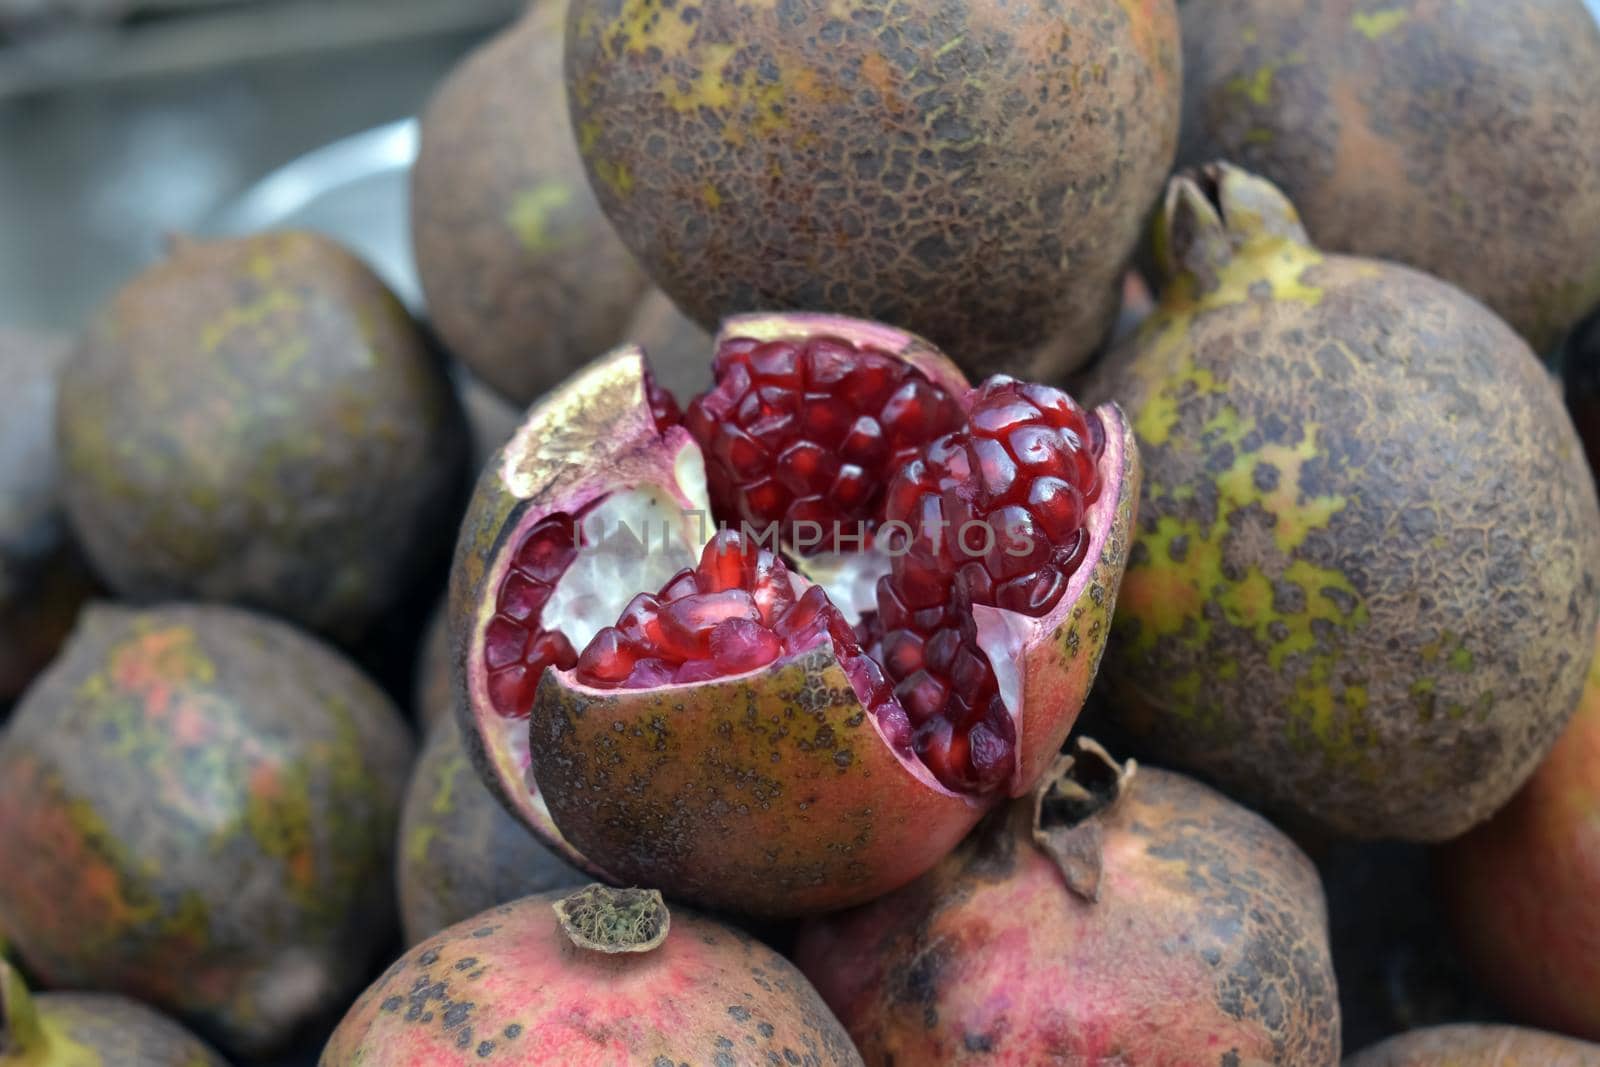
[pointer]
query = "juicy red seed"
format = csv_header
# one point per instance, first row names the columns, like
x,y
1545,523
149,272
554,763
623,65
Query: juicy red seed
x,y
522,598
812,419
923,695
503,643
648,674
851,490
511,691
698,670
741,645
826,363
776,362
864,443
608,659
682,584
998,418
697,614
663,405
997,471
1032,594
548,549
802,464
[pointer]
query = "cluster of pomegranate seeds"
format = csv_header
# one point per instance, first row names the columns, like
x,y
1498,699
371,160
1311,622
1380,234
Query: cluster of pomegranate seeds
x,y
810,430
663,405
515,649
996,513
733,613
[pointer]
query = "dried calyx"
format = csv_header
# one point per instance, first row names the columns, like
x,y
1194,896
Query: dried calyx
x,y
1069,807
599,918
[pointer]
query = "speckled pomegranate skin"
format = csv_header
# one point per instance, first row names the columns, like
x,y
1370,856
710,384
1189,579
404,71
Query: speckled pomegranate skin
x,y
972,170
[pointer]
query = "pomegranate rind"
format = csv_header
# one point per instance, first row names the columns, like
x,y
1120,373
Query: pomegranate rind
x,y
770,793
509,987
592,436
1061,651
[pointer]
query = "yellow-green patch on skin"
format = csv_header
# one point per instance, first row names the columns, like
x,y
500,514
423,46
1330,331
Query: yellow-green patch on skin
x,y
532,215
1258,87
56,1048
1168,595
248,316
442,804
1375,24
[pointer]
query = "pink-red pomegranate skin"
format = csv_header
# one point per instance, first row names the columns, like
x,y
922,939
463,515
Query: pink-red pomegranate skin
x,y
1524,888
1207,947
509,987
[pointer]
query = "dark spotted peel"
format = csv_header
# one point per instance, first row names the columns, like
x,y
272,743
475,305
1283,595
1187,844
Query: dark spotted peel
x,y
1134,916
1460,138
204,804
1364,588
971,170
510,987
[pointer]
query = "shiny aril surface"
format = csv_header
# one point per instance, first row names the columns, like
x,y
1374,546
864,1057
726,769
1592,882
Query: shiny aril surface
x,y
810,430
996,512
516,649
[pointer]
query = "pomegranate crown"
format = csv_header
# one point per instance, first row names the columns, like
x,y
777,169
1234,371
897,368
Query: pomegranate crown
x,y
1212,213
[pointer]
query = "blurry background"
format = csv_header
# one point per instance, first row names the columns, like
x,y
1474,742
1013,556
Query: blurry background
x,y
124,120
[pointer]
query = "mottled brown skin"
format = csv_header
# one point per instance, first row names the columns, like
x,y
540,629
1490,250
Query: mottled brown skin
x,y
1523,890
970,170
1207,947
43,577
508,987
767,795
680,351
203,804
1363,591
90,1030
1460,138
1478,1046
524,277
460,852
258,421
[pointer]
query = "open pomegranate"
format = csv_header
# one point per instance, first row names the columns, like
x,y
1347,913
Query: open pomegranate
x,y
890,627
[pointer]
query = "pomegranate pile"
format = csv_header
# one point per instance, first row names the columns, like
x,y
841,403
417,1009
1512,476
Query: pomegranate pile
x,y
847,593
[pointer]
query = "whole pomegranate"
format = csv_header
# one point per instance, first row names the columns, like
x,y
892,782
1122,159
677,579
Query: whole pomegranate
x,y
525,279
974,170
1459,138
89,1030
1117,916
1365,585
198,808
43,577
1478,1046
460,852
812,706
598,976
241,417
1523,890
